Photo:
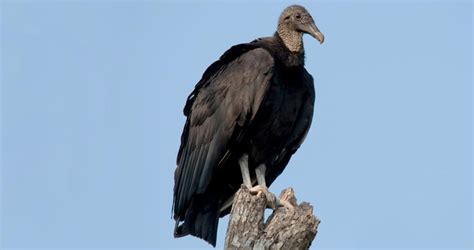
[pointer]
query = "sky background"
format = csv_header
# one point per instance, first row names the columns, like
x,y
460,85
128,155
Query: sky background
x,y
91,115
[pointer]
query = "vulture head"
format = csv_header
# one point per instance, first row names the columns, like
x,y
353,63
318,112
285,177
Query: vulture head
x,y
293,23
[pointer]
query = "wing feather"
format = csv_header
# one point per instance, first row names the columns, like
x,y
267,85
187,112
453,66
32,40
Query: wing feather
x,y
223,102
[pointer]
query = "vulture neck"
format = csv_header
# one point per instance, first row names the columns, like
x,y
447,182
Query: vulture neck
x,y
291,51
292,39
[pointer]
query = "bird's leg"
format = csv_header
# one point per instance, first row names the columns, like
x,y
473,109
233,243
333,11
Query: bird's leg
x,y
244,168
262,186
272,201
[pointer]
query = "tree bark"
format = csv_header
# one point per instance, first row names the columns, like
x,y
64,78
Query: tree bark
x,y
284,229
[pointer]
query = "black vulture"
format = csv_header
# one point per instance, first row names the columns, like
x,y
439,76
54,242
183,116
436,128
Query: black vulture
x,y
246,117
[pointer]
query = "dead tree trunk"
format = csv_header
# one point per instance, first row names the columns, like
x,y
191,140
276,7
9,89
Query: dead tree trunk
x,y
284,229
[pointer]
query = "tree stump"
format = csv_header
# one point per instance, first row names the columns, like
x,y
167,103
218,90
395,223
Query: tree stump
x,y
284,229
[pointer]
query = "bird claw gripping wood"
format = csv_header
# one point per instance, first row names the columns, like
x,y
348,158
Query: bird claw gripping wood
x,y
272,201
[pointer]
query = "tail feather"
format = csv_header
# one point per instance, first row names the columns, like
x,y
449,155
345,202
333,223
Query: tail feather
x,y
201,220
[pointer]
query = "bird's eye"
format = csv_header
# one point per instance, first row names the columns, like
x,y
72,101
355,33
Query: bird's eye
x,y
298,16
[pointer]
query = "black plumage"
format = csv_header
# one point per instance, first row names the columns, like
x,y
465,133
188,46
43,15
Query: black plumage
x,y
257,99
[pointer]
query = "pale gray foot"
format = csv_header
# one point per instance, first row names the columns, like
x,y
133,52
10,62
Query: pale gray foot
x,y
272,201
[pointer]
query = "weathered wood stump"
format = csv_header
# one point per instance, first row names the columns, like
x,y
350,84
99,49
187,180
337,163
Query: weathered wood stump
x,y
284,229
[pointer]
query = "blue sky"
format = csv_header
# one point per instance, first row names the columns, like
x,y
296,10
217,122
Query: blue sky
x,y
91,114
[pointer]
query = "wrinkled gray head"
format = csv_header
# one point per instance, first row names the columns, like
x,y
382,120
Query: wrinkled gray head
x,y
293,23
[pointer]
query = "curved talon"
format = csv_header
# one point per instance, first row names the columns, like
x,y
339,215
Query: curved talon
x,y
271,198
257,189
272,201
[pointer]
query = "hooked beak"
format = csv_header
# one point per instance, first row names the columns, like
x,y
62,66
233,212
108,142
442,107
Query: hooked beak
x,y
314,32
